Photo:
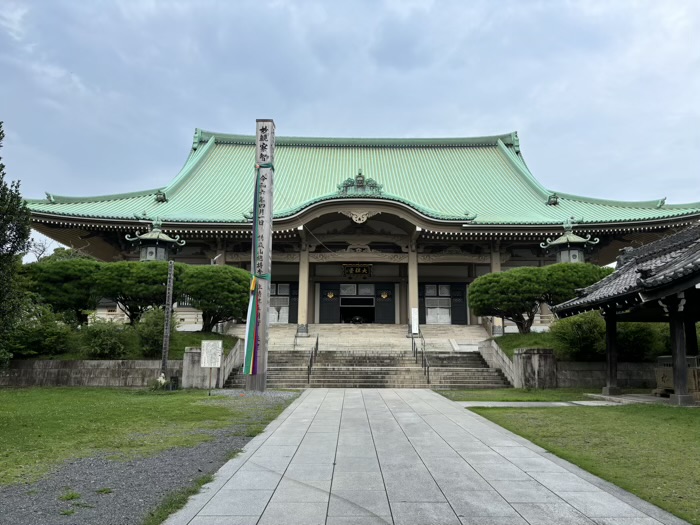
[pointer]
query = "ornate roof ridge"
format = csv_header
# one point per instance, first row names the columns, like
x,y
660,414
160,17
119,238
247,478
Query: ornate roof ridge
x,y
510,139
659,204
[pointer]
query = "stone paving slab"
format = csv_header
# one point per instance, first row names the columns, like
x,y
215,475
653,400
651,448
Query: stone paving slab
x,y
403,456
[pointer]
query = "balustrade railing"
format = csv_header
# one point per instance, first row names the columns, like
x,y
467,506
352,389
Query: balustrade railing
x,y
418,349
312,357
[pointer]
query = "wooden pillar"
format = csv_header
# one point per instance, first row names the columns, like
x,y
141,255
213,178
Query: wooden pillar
x,y
220,257
303,315
611,388
412,282
675,305
692,316
495,257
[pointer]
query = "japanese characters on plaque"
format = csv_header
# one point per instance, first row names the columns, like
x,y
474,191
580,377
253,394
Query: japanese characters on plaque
x,y
265,155
265,142
363,270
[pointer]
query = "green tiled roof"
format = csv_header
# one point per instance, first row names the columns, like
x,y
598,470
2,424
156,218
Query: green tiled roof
x,y
483,180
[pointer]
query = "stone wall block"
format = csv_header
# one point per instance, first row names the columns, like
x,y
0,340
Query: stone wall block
x,y
535,368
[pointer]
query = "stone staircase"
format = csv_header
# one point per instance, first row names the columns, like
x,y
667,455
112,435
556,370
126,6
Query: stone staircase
x,y
375,356
463,370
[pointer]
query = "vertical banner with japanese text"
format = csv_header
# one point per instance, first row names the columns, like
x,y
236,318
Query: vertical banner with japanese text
x,y
255,364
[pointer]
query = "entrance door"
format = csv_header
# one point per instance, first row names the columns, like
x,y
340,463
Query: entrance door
x,y
329,311
459,304
284,303
438,305
278,311
384,305
357,303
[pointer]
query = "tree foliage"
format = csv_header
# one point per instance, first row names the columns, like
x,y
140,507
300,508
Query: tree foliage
x,y
39,331
220,292
517,294
136,286
67,284
14,240
563,279
62,254
151,330
514,294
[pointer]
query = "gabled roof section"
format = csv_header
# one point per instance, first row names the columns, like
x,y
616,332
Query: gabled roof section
x,y
655,265
479,180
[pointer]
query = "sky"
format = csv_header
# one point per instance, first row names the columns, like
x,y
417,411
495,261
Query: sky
x,y
102,97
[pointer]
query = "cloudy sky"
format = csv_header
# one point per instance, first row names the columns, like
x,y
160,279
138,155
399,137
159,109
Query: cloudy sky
x,y
103,96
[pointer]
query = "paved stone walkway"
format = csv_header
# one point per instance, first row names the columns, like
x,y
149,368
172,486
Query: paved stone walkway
x,y
408,457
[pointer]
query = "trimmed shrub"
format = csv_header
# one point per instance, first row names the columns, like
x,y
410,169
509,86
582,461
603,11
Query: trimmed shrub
x,y
581,337
150,331
107,340
40,332
641,341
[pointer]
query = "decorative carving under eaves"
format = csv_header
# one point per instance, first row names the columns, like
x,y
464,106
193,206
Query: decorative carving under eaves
x,y
236,257
352,256
359,216
453,257
452,254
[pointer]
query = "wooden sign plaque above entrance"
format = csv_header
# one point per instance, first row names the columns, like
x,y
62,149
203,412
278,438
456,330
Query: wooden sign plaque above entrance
x,y
357,270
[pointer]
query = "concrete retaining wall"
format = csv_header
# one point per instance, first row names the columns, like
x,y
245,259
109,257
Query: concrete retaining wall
x,y
496,358
108,373
194,376
569,374
593,375
534,368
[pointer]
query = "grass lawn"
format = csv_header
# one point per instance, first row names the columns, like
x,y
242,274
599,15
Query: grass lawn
x,y
184,339
522,394
651,451
41,427
510,342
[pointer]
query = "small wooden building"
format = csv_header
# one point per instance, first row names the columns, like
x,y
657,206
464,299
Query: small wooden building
x,y
659,282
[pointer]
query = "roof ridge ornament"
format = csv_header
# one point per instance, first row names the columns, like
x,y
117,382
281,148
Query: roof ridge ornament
x,y
553,200
569,238
359,186
155,235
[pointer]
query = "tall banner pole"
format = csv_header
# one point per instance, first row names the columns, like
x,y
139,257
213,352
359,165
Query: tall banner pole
x,y
255,364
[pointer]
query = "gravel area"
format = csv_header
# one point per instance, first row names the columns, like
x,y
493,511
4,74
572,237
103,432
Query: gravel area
x,y
119,492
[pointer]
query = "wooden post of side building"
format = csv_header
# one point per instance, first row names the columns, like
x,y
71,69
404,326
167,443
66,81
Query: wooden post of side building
x,y
675,305
611,388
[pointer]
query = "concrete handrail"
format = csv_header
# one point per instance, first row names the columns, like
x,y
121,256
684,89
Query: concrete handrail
x,y
496,358
234,359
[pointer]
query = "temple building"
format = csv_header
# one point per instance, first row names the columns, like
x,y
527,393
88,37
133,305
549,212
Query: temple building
x,y
365,229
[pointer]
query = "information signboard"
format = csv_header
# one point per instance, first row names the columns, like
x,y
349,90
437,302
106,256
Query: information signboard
x,y
211,354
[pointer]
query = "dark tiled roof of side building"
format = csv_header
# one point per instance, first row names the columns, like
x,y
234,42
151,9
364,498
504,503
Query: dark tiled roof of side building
x,y
654,265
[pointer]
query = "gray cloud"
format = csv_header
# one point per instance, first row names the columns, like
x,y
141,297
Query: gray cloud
x,y
102,97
